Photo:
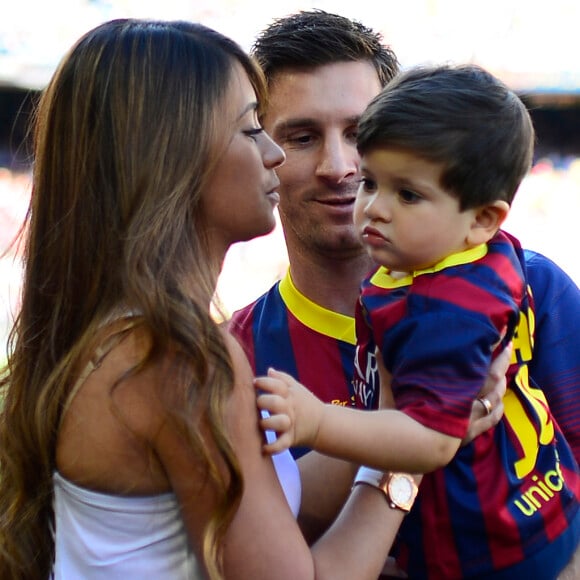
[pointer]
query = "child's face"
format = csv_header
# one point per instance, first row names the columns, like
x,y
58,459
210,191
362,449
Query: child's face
x,y
405,219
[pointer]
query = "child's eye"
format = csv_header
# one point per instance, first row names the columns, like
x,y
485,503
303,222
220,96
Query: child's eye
x,y
408,196
367,184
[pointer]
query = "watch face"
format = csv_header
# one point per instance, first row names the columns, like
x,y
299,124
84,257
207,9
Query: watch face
x,y
402,491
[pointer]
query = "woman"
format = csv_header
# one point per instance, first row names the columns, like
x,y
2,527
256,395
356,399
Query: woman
x,y
129,441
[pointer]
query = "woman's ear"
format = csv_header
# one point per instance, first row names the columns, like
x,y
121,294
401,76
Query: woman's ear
x,y
486,221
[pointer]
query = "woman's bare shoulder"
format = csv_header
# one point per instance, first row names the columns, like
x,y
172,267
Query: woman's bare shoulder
x,y
103,440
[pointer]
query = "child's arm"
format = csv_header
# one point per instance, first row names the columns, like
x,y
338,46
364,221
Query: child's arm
x,y
296,415
385,439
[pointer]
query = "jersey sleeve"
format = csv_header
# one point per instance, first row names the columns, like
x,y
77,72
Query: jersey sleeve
x,y
555,366
439,362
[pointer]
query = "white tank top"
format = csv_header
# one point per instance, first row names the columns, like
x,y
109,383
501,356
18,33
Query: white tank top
x,y
110,537
104,536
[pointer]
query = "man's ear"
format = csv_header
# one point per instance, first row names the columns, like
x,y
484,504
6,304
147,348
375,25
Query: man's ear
x,y
487,220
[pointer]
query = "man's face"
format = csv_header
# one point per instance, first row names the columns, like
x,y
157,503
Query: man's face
x,y
313,116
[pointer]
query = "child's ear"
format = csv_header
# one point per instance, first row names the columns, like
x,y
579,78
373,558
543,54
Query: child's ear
x,y
486,221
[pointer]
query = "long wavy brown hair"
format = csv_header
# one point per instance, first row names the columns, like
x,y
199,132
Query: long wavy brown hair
x,y
126,136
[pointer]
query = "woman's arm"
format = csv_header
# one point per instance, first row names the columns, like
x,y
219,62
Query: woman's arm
x,y
264,540
326,485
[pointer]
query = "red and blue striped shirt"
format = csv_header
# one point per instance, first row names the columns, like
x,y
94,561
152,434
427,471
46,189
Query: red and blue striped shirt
x,y
514,489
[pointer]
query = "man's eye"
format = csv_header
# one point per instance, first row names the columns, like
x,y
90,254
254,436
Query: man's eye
x,y
352,135
300,139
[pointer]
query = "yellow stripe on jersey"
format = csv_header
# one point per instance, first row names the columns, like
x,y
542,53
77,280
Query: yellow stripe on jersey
x,y
316,317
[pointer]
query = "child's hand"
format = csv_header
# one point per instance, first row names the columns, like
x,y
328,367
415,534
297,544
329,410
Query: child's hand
x,y
295,412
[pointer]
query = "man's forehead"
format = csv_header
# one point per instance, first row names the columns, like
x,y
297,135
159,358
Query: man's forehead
x,y
361,70
313,121
336,93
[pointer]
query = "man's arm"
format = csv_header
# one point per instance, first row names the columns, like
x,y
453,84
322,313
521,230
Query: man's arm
x,y
555,365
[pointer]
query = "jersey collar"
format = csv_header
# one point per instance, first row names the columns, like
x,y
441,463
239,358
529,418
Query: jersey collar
x,y
382,278
314,316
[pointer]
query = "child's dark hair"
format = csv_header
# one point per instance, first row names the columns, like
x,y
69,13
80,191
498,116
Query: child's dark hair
x,y
458,115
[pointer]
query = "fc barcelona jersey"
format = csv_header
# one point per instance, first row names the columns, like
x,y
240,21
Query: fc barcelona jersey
x,y
265,326
555,366
285,330
514,489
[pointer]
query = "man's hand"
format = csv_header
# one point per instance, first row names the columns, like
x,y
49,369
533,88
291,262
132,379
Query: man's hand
x,y
485,415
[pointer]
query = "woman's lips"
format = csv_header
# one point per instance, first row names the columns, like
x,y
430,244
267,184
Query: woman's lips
x,y
274,197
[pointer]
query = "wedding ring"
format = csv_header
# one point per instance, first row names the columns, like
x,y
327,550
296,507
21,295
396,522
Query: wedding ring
x,y
486,404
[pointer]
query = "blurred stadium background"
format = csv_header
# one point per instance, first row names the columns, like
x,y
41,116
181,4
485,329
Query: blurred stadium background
x,y
532,45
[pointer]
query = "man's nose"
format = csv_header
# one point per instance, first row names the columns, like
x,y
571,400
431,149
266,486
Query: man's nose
x,y
339,160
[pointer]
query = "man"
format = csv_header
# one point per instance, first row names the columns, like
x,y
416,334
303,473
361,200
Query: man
x,y
315,109
323,70
320,79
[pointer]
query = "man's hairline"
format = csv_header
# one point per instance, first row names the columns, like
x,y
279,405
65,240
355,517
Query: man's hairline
x,y
306,122
311,68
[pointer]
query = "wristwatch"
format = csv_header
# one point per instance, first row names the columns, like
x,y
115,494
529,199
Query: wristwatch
x,y
399,488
